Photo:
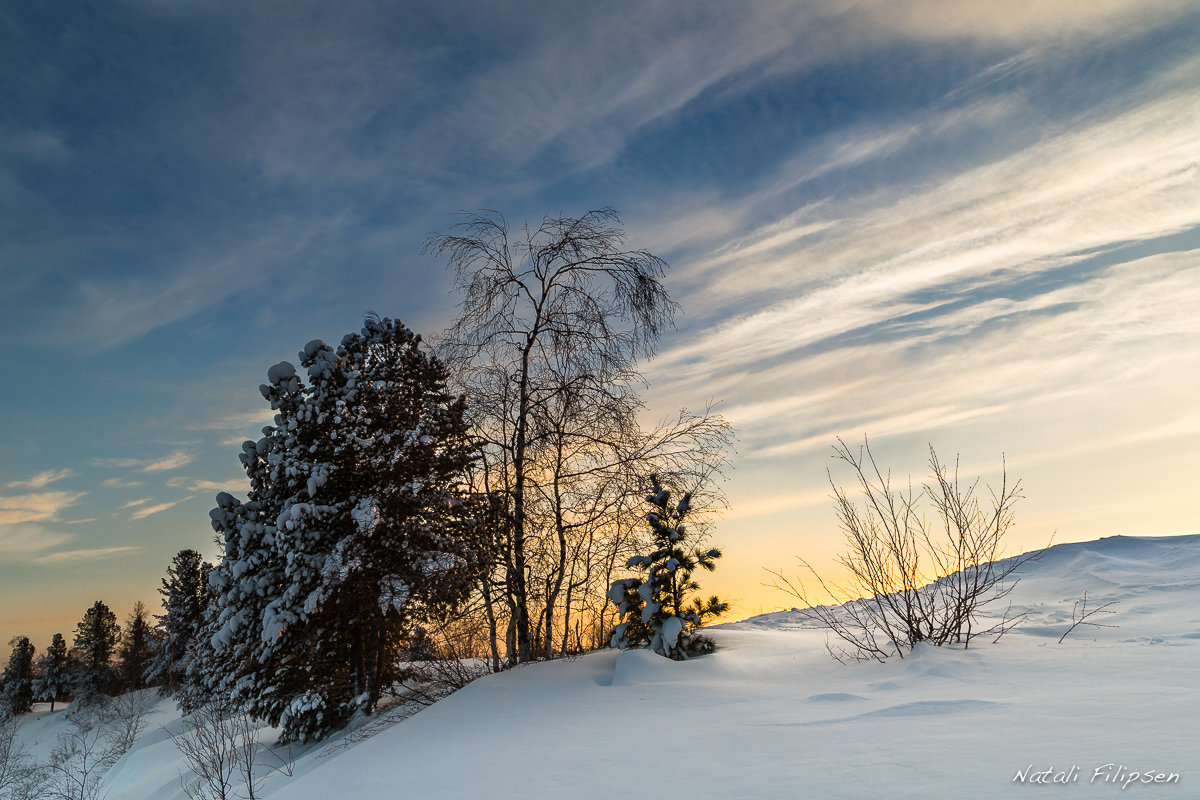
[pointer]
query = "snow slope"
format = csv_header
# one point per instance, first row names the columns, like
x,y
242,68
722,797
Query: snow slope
x,y
771,715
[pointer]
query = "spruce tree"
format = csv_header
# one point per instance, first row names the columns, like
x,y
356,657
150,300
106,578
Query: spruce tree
x,y
136,649
53,667
18,677
96,638
185,599
356,525
659,611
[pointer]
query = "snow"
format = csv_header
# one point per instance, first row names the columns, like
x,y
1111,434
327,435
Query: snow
x,y
671,628
771,715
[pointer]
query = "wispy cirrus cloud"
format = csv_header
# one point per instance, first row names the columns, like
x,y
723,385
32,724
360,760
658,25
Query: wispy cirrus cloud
x,y
175,460
88,554
321,96
1082,345
108,311
239,421
1060,273
43,479
237,426
36,506
197,486
23,542
119,483
171,461
1128,178
158,508
26,522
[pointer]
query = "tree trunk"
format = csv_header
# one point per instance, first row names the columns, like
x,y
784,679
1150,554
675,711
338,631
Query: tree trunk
x,y
517,578
553,590
376,688
493,633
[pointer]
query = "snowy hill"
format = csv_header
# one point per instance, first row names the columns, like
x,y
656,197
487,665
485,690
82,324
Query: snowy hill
x,y
772,715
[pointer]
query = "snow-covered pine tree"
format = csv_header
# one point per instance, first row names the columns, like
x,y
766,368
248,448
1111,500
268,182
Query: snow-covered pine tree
x,y
17,694
356,524
53,667
659,611
96,638
231,654
185,597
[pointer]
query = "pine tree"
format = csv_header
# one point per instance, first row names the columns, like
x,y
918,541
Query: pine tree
x,y
659,611
185,599
355,526
136,649
18,677
53,667
96,638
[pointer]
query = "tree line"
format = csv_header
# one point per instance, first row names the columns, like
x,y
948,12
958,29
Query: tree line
x,y
467,501
105,659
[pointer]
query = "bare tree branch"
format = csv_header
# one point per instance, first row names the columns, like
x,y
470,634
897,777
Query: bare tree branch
x,y
1081,615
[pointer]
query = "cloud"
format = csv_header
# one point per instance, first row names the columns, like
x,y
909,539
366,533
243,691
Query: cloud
x,y
118,463
142,513
1087,345
21,537
217,486
248,419
35,506
838,268
1006,22
238,425
21,542
42,479
173,460
349,104
197,486
105,312
119,483
76,556
133,503
579,94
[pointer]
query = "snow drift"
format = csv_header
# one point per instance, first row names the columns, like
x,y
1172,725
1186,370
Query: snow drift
x,y
771,715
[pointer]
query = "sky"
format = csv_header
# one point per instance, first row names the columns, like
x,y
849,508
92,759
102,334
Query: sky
x,y
971,226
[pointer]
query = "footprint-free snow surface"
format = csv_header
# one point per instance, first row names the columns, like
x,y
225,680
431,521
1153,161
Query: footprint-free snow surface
x,y
1106,713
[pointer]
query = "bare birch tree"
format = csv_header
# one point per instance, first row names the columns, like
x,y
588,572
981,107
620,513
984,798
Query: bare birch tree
x,y
551,327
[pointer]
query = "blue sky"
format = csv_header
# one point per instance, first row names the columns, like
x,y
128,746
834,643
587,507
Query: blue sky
x,y
975,225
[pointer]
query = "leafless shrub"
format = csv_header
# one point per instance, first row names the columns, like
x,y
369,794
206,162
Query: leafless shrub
x,y
219,742
18,771
81,757
97,735
1081,615
913,580
124,719
447,663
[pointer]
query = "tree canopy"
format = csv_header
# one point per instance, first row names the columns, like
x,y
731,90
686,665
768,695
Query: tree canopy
x,y
357,523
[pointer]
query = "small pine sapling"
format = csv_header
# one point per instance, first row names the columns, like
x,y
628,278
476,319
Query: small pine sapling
x,y
660,611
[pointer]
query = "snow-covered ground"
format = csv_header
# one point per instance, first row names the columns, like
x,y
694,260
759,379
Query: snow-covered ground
x,y
772,715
